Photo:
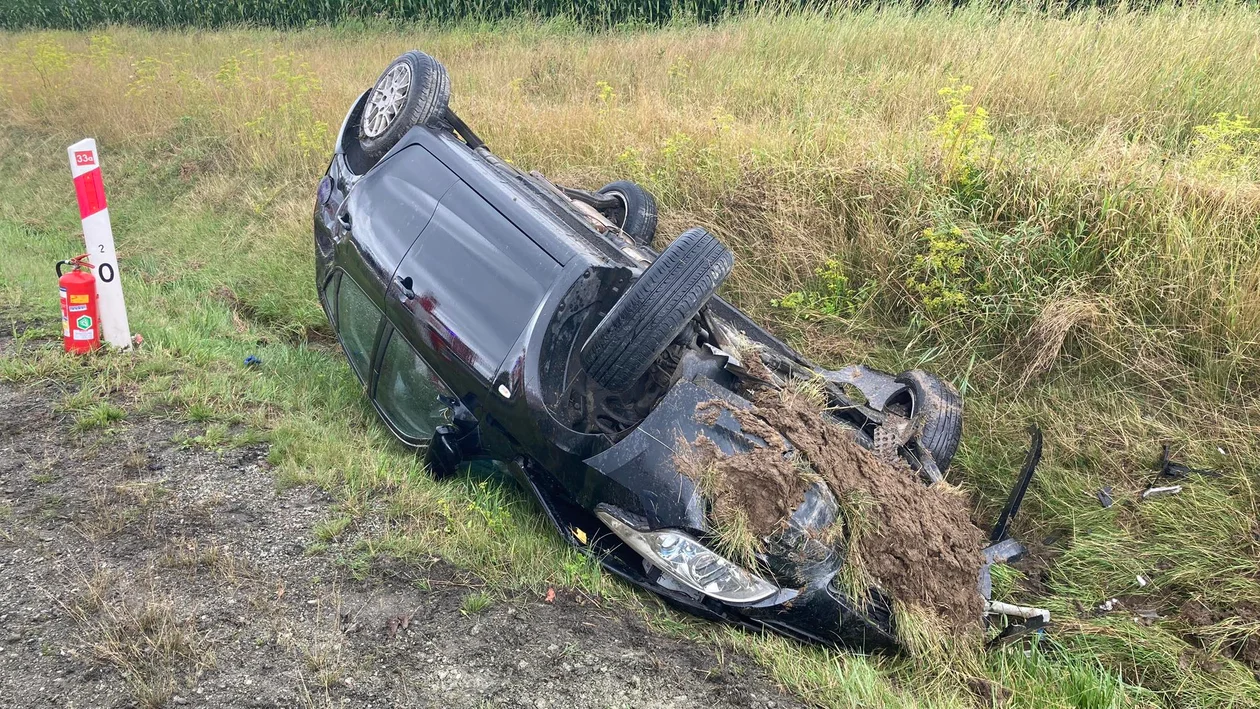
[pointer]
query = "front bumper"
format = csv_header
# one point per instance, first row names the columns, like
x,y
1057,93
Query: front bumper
x,y
818,612
638,480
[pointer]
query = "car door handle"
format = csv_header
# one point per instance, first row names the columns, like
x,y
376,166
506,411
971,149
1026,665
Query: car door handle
x,y
404,286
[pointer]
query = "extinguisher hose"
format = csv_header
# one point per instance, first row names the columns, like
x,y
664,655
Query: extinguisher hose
x,y
76,262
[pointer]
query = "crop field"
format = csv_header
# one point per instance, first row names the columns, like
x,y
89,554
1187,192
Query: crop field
x,y
69,14
1060,213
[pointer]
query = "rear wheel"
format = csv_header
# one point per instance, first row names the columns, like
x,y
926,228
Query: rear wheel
x,y
413,90
940,405
656,308
637,214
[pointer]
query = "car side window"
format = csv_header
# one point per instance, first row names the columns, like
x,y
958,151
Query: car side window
x,y
408,392
357,322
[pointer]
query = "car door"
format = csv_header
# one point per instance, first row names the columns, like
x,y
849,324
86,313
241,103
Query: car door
x,y
469,285
385,212
407,394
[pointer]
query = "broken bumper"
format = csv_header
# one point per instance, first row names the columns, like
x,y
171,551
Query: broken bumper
x,y
807,603
818,612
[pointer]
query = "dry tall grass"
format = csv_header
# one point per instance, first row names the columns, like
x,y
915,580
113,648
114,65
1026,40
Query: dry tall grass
x,y
797,138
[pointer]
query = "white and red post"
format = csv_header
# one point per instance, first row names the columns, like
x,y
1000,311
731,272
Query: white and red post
x,y
85,167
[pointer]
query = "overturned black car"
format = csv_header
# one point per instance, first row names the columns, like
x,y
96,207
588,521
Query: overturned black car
x,y
493,314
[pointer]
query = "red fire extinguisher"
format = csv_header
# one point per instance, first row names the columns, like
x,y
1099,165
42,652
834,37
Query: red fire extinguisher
x,y
80,332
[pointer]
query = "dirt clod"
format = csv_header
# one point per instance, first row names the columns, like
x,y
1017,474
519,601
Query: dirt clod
x,y
989,693
1209,625
917,543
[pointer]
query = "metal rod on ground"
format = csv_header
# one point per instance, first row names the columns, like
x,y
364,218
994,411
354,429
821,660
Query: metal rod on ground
x,y
1021,486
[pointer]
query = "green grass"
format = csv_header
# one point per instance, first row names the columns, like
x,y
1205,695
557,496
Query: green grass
x,y
330,529
1089,261
474,603
100,415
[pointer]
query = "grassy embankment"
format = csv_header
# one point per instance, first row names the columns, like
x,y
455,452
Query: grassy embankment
x,y
1081,256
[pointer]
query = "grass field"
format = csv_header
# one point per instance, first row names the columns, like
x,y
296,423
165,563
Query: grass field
x,y
1060,213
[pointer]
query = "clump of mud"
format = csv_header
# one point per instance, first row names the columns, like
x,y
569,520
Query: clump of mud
x,y
917,543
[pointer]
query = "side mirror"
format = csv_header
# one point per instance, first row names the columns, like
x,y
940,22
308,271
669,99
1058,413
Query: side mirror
x,y
444,451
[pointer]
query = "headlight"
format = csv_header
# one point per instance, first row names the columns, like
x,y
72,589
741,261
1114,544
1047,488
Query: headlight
x,y
691,564
325,190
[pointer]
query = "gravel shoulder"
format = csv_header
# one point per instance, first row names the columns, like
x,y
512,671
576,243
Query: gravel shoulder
x,y
139,569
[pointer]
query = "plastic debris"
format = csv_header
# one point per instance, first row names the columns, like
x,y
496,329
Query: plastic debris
x,y
137,340
1104,497
1169,468
1009,609
1034,626
1003,552
253,361
1150,492
1108,605
1021,621
1141,581
1016,498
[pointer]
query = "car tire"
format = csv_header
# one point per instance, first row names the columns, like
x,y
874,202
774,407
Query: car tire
x,y
941,407
413,90
655,309
637,216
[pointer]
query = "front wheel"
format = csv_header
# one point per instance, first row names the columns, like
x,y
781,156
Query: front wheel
x,y
655,309
413,90
941,408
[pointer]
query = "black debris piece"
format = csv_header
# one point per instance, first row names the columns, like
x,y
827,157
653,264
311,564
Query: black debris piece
x,y
1104,497
1169,468
1015,631
1002,528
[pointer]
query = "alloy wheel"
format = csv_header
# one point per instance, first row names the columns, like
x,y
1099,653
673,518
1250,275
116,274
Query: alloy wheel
x,y
387,100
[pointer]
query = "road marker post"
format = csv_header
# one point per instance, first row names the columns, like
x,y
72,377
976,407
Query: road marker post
x,y
85,168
